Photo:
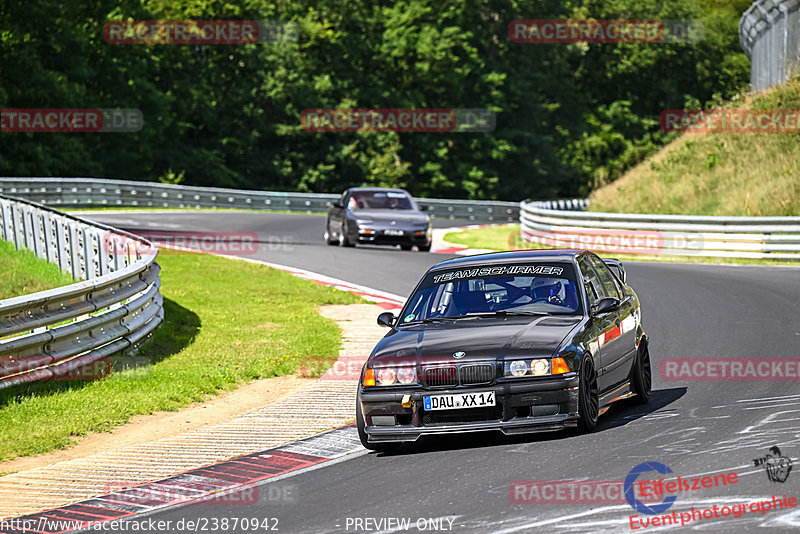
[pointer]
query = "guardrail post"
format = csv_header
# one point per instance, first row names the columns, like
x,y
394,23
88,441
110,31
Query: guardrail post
x,y
75,252
88,253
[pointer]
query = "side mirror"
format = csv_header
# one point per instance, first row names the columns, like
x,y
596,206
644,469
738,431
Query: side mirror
x,y
616,264
605,305
386,319
424,208
337,204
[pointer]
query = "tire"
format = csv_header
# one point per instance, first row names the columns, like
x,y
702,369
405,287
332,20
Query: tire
x,y
344,241
425,248
328,240
406,247
362,434
588,397
642,379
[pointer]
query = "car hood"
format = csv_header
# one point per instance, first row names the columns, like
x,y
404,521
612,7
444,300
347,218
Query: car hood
x,y
480,338
387,216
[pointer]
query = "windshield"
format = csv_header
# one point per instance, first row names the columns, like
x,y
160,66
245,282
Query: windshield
x,y
380,200
530,289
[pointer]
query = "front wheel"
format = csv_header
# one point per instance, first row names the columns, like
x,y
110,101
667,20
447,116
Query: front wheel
x,y
425,248
344,241
328,239
642,375
406,247
588,399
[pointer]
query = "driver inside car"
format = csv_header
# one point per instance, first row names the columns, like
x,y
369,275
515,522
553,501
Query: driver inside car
x,y
551,290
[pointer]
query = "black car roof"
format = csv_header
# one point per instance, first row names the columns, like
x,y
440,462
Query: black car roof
x,y
554,255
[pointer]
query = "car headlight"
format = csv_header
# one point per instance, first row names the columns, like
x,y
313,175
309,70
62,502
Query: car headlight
x,y
537,367
406,375
517,368
390,376
386,377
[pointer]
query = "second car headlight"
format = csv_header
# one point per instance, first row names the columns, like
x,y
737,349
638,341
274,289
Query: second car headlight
x,y
391,376
537,367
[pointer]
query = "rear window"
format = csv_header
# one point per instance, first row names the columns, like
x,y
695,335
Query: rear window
x,y
541,288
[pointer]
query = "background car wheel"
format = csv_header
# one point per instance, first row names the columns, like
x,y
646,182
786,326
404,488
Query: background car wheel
x,y
425,248
588,399
328,240
362,434
642,375
343,239
406,247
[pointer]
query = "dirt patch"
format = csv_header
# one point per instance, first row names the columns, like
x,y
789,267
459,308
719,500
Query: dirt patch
x,y
144,428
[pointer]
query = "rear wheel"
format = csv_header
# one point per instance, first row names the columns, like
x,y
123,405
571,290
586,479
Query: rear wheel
x,y
588,399
642,375
362,434
406,247
425,248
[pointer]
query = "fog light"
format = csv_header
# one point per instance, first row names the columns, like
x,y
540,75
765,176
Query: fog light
x,y
383,420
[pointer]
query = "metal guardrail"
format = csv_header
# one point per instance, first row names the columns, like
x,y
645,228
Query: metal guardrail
x,y
116,304
100,193
682,235
769,32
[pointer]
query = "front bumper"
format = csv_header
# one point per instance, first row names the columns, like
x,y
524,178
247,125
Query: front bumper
x,y
521,407
409,237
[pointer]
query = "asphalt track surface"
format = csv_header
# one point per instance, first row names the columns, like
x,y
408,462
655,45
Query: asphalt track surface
x,y
695,428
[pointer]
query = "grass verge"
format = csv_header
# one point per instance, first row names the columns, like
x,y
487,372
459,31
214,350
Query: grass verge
x,y
507,237
751,174
226,322
24,273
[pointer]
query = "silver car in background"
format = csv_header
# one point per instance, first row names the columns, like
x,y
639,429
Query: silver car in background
x,y
378,216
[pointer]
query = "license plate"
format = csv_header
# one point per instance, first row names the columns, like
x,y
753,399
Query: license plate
x,y
393,232
459,401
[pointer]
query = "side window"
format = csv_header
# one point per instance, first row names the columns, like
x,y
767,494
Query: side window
x,y
594,288
606,277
